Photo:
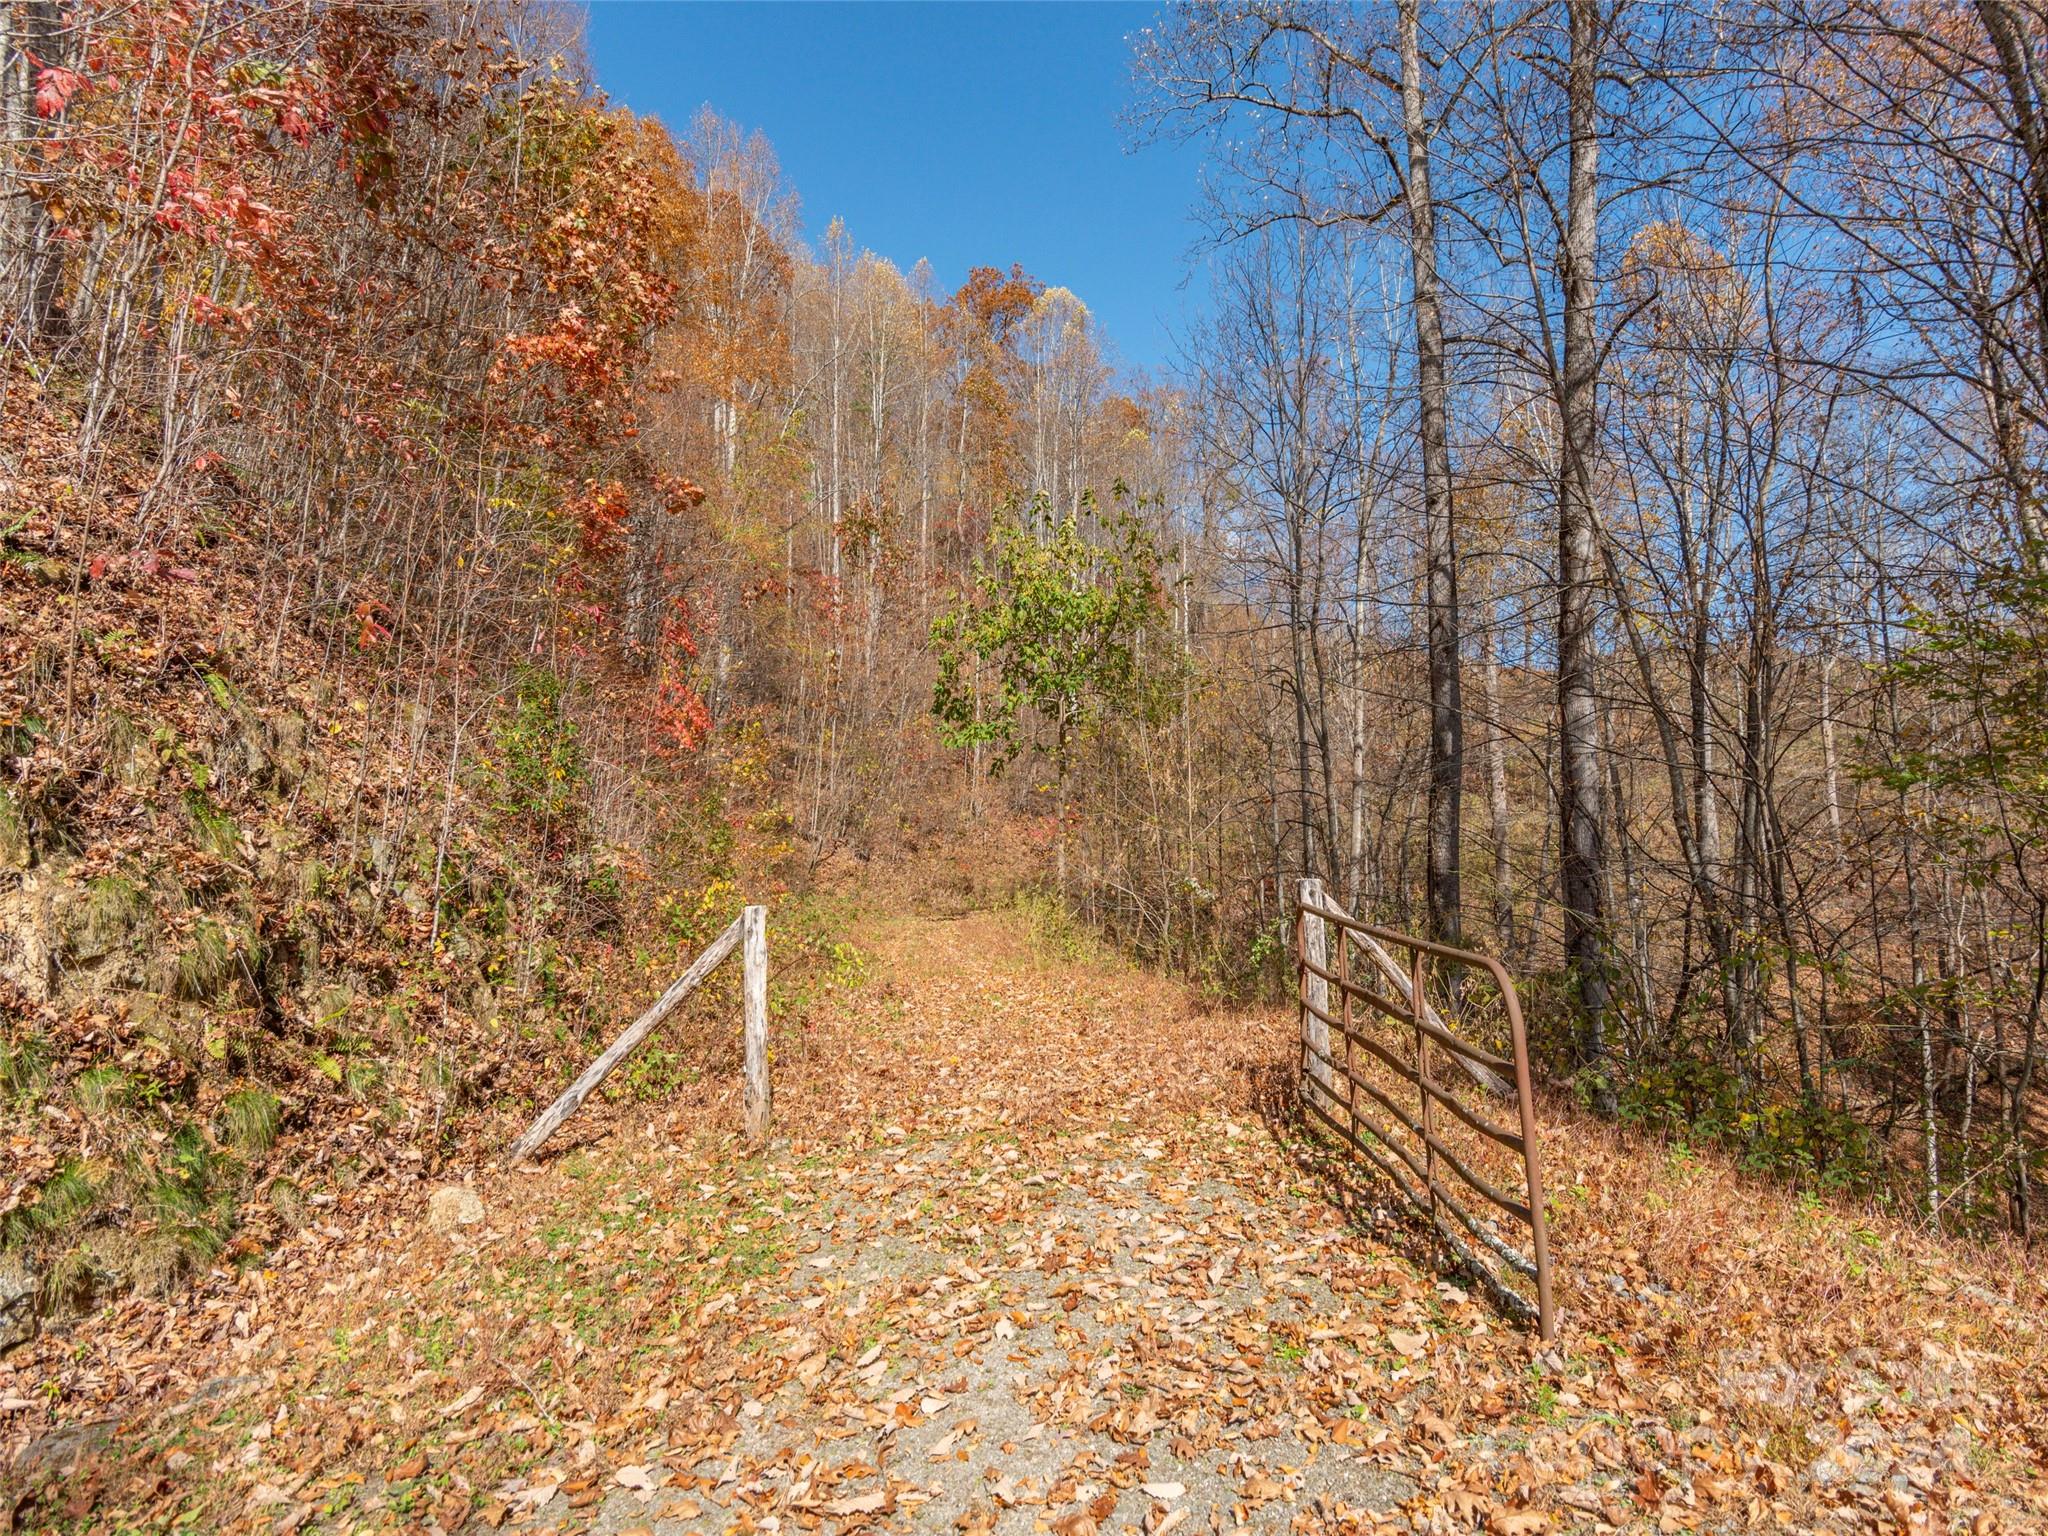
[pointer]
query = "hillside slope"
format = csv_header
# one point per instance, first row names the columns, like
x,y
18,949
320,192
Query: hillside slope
x,y
270,944
1040,1245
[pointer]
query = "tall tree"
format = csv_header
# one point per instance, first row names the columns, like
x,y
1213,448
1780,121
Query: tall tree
x,y
1327,72
1582,859
1440,532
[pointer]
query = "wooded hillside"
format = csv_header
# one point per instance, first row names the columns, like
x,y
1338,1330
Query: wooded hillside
x,y
461,540
461,544
1619,480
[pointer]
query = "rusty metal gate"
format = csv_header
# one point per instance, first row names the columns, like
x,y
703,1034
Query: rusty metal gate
x,y
1347,1050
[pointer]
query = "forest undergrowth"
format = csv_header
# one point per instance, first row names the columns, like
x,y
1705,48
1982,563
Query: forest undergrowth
x,y
251,974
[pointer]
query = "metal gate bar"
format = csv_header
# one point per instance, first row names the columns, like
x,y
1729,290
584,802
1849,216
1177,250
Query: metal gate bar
x,y
1331,1086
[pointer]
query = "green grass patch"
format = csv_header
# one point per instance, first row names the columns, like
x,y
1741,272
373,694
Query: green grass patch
x,y
247,1122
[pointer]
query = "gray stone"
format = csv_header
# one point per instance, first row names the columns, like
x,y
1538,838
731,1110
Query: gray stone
x,y
17,1306
452,1206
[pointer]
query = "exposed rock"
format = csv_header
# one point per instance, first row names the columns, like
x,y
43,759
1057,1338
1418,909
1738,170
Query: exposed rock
x,y
1990,1298
217,1389
29,941
452,1206
17,1306
1772,1385
64,1449
1840,1465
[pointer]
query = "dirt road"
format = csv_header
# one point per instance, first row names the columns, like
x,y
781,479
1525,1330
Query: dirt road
x,y
1039,1247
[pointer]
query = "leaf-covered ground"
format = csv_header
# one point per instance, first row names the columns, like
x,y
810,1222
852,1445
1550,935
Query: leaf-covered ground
x,y
1041,1246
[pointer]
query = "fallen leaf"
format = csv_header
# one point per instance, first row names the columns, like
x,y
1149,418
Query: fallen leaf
x,y
859,1504
1442,1428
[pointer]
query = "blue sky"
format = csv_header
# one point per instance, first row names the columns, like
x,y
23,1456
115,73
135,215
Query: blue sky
x,y
969,133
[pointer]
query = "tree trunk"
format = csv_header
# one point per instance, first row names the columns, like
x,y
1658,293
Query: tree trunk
x,y
1581,850
1497,804
2021,68
1439,537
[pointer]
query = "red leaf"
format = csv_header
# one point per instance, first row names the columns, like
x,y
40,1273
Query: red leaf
x,y
54,89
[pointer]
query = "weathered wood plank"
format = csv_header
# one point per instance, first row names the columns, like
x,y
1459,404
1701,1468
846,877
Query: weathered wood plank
x,y
572,1098
754,960
1315,953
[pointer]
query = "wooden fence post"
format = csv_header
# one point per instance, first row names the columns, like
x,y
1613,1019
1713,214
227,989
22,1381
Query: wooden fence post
x,y
552,1117
1315,991
754,984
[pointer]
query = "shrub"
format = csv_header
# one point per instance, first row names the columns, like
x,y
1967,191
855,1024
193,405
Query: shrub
x,y
1694,1099
540,759
1055,934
